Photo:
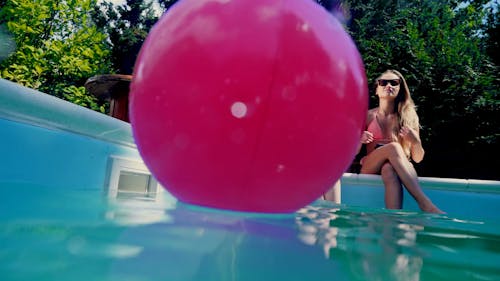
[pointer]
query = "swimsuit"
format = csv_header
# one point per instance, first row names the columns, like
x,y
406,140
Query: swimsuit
x,y
378,136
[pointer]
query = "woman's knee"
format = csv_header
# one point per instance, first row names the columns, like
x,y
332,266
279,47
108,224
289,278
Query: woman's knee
x,y
395,149
387,170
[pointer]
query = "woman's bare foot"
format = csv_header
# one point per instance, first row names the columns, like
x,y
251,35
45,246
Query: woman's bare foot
x,y
430,208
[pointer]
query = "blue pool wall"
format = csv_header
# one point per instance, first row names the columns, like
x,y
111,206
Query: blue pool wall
x,y
460,198
46,141
51,143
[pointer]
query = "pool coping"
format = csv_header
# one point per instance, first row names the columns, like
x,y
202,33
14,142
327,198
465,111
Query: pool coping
x,y
29,106
25,105
450,184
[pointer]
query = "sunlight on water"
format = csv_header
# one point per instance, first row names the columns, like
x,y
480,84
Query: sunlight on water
x,y
78,235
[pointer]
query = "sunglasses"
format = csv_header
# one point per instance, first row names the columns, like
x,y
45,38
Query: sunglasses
x,y
383,82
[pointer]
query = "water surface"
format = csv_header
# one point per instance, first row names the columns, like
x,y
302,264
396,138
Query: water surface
x,y
49,234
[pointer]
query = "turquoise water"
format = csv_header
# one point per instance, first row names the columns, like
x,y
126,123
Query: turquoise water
x,y
56,234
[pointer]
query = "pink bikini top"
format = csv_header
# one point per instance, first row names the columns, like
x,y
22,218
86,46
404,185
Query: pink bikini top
x,y
378,136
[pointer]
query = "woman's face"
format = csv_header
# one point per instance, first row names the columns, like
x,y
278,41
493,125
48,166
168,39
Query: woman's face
x,y
388,85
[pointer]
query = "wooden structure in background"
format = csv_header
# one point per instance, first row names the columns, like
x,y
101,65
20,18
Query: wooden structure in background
x,y
115,87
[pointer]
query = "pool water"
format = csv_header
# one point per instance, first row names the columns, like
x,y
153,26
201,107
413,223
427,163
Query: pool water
x,y
59,234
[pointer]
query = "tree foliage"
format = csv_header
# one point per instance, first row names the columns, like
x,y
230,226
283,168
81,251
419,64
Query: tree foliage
x,y
58,47
166,4
126,26
492,32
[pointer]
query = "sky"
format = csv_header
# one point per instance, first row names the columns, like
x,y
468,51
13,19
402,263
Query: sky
x,y
119,2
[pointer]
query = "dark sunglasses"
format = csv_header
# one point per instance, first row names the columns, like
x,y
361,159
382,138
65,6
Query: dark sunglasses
x,y
383,82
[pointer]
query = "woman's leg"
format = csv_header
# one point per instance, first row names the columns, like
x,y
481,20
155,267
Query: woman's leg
x,y
394,154
393,188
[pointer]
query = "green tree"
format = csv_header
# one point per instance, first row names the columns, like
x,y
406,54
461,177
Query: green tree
x,y
58,47
492,32
127,26
166,4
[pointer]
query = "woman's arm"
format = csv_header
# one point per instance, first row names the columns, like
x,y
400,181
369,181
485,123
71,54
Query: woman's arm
x,y
417,152
366,137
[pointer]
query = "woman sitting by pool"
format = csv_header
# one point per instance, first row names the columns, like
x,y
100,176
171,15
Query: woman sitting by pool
x,y
392,139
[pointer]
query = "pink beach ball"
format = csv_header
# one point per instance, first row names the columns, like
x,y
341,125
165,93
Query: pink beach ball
x,y
248,105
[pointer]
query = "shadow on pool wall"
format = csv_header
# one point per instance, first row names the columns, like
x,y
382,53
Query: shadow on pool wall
x,y
53,143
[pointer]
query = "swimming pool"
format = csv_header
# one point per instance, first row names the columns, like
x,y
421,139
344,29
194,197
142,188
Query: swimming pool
x,y
78,204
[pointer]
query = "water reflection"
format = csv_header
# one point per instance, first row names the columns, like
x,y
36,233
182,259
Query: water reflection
x,y
140,210
194,243
132,239
377,246
175,241
390,245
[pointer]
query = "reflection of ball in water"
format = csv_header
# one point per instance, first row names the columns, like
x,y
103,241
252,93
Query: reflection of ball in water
x,y
250,105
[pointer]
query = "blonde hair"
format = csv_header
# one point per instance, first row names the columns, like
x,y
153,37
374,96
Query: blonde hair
x,y
405,109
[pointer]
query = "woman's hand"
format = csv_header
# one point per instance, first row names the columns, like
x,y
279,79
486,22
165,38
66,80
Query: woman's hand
x,y
366,137
409,134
